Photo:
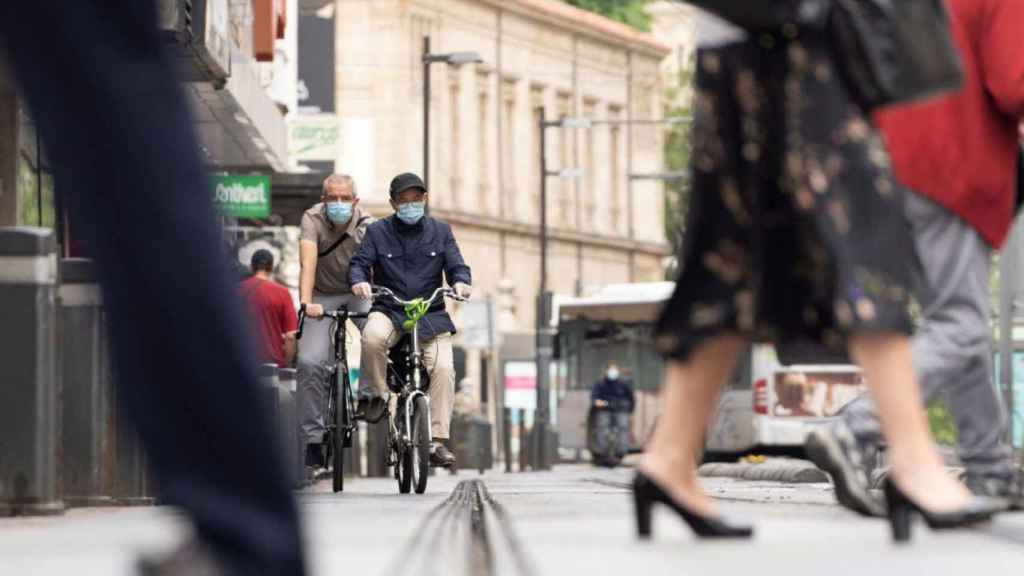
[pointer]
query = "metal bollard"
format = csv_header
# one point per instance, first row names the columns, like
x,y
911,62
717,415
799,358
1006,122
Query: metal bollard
x,y
294,447
507,438
524,442
29,408
376,449
132,487
88,455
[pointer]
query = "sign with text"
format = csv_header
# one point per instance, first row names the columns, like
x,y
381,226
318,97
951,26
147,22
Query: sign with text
x,y
313,137
478,330
242,196
520,380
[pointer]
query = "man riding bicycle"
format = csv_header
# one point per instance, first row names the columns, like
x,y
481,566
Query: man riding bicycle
x,y
408,253
331,232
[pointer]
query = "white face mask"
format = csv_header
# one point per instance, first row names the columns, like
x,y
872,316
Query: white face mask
x,y
612,374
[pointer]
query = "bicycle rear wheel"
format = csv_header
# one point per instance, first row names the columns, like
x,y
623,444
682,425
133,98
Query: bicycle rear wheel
x,y
420,446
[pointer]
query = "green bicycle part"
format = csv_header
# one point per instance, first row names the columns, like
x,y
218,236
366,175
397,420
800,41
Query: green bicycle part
x,y
414,312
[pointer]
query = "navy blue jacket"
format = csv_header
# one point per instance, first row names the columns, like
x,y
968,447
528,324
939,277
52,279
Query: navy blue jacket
x,y
410,261
618,393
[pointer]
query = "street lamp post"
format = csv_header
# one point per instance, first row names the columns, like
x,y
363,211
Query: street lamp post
x,y
451,59
544,337
544,342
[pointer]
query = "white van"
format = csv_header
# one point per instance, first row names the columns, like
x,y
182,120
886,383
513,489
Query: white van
x,y
771,406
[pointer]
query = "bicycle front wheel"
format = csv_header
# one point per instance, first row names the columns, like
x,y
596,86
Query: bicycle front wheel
x,y
341,423
420,448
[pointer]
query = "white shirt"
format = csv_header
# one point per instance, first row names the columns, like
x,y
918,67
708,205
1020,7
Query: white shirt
x,y
713,31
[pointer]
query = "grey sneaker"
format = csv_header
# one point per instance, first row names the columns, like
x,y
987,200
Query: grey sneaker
x,y
1007,490
836,451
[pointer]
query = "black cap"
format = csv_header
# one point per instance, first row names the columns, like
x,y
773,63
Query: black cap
x,y
262,259
403,182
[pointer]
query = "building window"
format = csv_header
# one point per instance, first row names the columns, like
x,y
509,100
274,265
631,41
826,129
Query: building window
x,y
565,161
615,114
589,165
508,146
484,174
647,139
454,153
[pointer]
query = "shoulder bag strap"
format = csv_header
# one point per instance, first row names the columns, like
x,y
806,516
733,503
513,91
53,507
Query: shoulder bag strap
x,y
342,239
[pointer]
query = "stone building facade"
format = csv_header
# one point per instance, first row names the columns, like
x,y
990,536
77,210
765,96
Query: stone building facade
x,y
485,141
604,227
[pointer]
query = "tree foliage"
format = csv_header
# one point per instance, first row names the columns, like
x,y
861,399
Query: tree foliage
x,y
677,158
629,12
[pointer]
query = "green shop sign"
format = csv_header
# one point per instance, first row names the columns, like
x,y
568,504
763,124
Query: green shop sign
x,y
242,196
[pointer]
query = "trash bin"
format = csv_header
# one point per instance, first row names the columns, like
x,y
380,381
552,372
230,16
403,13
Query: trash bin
x,y
471,442
132,486
280,387
88,445
29,409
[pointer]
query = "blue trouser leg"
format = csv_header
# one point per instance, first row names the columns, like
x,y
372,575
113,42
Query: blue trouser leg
x,y
120,141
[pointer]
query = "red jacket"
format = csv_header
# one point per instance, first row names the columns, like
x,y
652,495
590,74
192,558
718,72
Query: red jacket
x,y
961,150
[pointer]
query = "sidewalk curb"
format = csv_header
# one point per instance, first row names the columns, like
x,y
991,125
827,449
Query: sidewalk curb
x,y
787,472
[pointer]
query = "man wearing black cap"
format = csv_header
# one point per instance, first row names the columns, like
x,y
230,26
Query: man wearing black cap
x,y
412,254
272,311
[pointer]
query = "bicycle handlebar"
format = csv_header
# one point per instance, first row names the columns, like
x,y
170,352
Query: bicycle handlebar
x,y
379,291
336,315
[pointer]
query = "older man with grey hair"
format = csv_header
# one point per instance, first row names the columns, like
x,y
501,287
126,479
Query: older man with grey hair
x,y
331,232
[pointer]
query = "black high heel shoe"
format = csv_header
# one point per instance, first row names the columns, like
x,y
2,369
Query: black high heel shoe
x,y
646,492
901,507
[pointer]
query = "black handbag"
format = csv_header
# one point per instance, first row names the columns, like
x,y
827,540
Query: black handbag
x,y
893,51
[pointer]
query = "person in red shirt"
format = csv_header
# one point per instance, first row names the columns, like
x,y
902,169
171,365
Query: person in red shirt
x,y
960,154
272,311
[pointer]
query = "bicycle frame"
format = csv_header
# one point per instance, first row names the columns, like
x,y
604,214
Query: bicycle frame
x,y
339,319
417,355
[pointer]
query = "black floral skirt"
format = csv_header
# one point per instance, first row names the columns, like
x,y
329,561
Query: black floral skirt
x,y
795,227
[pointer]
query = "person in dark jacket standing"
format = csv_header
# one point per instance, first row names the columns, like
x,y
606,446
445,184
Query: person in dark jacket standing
x,y
412,255
613,391
611,404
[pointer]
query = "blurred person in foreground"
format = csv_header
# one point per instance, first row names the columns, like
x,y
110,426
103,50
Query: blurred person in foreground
x,y
960,155
119,136
794,232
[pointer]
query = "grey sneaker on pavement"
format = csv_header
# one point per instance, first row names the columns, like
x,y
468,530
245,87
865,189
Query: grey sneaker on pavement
x,y
1000,488
836,451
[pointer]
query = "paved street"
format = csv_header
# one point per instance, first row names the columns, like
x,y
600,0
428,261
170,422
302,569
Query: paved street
x,y
575,520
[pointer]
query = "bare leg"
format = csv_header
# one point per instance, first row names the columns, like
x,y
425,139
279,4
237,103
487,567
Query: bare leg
x,y
917,467
690,395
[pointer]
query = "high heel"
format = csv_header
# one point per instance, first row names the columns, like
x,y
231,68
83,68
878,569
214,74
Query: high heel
x,y
646,492
901,508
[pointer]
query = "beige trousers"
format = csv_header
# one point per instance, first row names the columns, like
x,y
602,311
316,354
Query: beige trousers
x,y
380,335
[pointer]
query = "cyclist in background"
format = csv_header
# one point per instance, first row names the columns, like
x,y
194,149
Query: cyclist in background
x,y
331,232
412,254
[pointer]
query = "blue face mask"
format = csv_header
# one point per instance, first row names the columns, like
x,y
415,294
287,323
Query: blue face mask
x,y
411,212
339,212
